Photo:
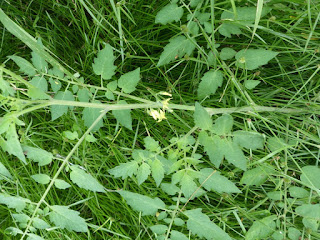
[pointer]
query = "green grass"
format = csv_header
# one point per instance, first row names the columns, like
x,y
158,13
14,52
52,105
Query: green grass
x,y
74,31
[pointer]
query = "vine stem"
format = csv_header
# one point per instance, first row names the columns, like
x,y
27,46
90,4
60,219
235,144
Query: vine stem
x,y
211,111
65,161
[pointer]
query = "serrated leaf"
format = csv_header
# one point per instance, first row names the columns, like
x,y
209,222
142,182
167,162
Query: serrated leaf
x,y
61,184
227,53
188,186
176,48
12,231
4,172
234,154
222,125
209,84
193,28
294,233
128,81
17,203
85,180
40,83
83,95
213,147
249,140
55,71
159,229
178,222
143,173
309,210
227,29
24,65
58,110
151,144
200,224
261,229
38,155
202,119
32,236
65,218
157,171
298,192
40,224
125,170
39,62
169,188
12,145
5,87
141,203
310,176
253,58
41,178
175,235
55,84
170,13
104,63
123,116
114,84
256,176
89,115
211,180
251,84
22,218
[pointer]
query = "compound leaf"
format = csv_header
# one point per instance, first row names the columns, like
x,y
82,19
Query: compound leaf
x,y
65,218
170,13
209,83
141,203
85,180
104,63
200,224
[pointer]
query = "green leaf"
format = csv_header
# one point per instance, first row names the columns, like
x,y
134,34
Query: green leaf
x,y
58,110
298,192
249,140
169,188
159,229
245,15
17,203
200,224
55,71
223,125
311,224
202,119
104,63
209,84
193,28
12,145
12,231
275,143
178,222
123,116
227,53
24,65
194,3
90,138
251,84
61,184
22,218
128,81
4,172
234,154
176,48
83,95
38,155
5,87
143,173
65,218
253,58
213,146
151,144
310,176
38,61
70,135
85,180
157,171
114,84
40,83
141,203
125,170
175,235
294,233
227,29
211,180
256,176
309,211
89,115
261,229
39,223
170,13
32,236
41,178
188,186
55,84
276,195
